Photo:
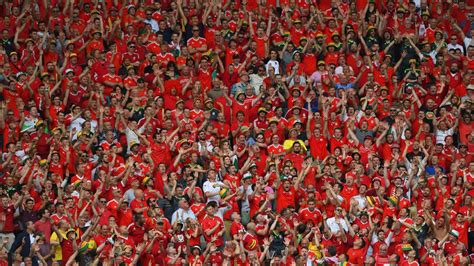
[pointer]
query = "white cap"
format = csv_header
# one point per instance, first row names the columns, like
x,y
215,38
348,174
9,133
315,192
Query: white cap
x,y
247,175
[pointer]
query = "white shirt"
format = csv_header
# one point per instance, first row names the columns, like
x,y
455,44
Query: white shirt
x,y
361,200
340,70
456,46
256,81
302,81
221,211
245,201
29,124
153,23
77,124
212,187
207,147
441,135
132,137
331,222
275,64
93,128
467,42
182,215
32,238
129,195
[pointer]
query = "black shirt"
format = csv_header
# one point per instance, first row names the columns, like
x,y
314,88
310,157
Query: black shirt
x,y
7,45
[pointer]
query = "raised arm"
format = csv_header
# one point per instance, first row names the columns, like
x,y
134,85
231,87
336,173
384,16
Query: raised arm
x,y
353,136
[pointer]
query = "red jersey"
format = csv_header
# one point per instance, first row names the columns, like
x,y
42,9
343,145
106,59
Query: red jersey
x,y
285,198
209,223
314,216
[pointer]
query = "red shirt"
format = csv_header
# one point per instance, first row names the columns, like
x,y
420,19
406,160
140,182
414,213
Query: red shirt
x,y
463,231
209,223
95,45
235,228
356,256
165,58
314,216
136,232
196,42
319,149
198,210
6,216
413,263
296,159
193,241
337,143
261,41
254,203
275,149
198,260
67,249
137,204
285,198
125,217
56,218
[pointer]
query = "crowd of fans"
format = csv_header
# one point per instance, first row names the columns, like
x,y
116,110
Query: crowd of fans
x,y
236,132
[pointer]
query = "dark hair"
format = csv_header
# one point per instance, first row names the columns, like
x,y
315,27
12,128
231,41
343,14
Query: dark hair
x,y
301,228
41,212
212,204
332,250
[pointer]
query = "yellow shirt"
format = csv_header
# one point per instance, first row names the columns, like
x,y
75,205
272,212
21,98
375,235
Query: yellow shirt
x,y
58,253
315,249
288,144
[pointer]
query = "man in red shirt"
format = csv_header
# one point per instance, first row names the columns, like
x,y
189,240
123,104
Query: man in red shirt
x,y
196,44
111,80
356,254
296,155
311,214
285,195
138,204
137,229
236,227
7,211
212,225
60,214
